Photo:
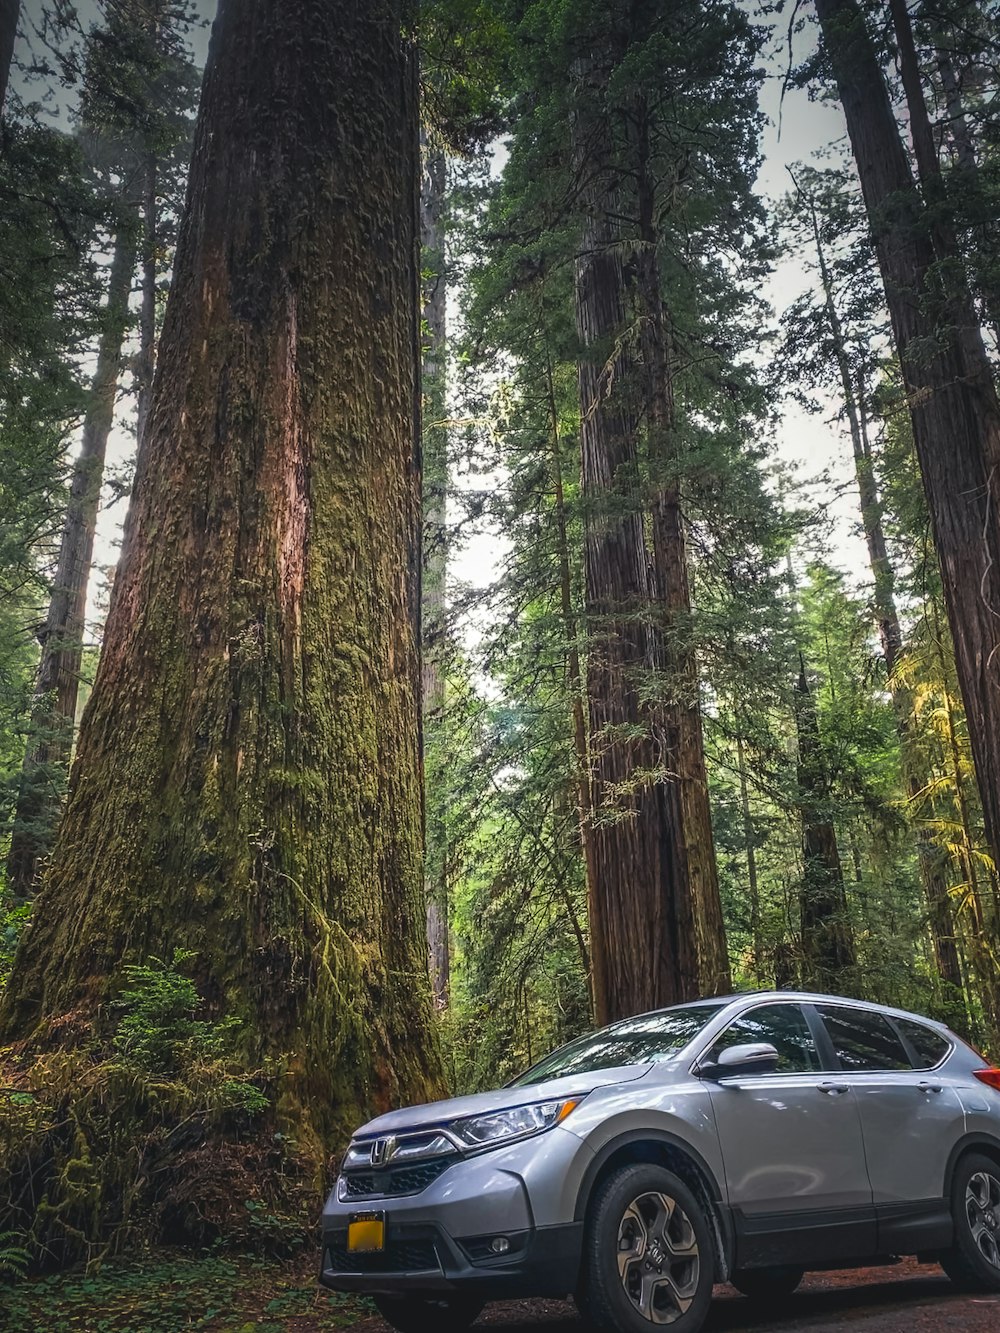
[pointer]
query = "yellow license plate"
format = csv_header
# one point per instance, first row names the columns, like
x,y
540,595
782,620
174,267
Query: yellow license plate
x,y
366,1233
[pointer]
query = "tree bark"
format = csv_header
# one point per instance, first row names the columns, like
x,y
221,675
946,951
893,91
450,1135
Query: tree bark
x,y
248,779
827,944
576,689
50,739
644,937
10,11
435,493
949,382
680,722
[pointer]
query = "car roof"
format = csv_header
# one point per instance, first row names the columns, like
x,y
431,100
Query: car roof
x,y
800,996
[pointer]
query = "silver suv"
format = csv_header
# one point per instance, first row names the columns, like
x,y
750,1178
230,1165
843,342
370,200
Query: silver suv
x,y
744,1139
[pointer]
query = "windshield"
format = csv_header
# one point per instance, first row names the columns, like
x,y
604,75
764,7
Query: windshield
x,y
634,1041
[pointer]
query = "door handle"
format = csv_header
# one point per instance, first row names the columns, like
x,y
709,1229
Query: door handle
x,y
834,1089
930,1087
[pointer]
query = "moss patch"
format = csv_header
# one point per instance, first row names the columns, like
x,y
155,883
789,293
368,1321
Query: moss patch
x,y
164,1292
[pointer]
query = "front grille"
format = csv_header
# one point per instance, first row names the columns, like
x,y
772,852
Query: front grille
x,y
399,1256
393,1181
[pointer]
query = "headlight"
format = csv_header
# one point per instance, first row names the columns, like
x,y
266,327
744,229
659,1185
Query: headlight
x,y
482,1131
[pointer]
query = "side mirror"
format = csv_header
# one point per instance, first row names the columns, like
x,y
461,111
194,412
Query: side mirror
x,y
756,1058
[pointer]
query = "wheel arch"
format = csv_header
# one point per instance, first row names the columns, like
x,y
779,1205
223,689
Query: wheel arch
x,y
661,1148
976,1142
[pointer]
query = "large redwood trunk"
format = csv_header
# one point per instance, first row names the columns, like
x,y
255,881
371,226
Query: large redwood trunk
x,y
57,684
248,781
647,937
952,396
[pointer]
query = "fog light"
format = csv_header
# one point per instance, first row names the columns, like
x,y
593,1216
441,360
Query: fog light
x,y
499,1244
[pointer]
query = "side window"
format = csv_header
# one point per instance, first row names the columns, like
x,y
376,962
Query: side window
x,y
863,1041
784,1026
929,1046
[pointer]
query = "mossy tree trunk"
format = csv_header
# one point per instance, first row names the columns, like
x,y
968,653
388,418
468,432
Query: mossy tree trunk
x,y
248,778
435,490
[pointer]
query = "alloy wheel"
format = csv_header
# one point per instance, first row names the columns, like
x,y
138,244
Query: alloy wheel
x,y
982,1207
658,1259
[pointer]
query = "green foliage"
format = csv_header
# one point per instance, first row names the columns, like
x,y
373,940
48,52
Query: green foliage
x,y
158,1031
12,922
161,1293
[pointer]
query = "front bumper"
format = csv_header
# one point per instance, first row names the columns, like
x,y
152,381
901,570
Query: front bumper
x,y
437,1239
424,1258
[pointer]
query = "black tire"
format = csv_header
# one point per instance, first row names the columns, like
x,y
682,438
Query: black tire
x,y
670,1267
428,1314
768,1284
973,1262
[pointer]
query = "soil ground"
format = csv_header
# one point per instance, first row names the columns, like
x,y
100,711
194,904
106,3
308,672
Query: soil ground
x,y
169,1294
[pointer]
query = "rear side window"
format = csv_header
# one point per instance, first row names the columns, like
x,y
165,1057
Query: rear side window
x,y
784,1027
929,1046
863,1041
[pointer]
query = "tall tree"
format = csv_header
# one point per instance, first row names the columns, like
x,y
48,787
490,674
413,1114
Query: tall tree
x,y
256,708
948,378
9,12
435,549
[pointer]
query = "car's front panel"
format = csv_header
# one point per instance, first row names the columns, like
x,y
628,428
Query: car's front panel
x,y
496,1220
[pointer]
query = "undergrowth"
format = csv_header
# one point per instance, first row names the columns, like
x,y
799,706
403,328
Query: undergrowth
x,y
165,1293
157,1133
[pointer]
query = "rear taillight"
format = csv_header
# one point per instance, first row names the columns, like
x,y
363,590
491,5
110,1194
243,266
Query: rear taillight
x,y
991,1077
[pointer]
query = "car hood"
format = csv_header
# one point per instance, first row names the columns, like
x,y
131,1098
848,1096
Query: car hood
x,y
455,1108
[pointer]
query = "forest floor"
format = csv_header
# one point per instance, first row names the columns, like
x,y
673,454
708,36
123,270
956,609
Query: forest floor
x,y
168,1294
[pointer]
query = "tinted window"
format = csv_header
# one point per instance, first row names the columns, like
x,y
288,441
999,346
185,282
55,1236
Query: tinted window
x,y
784,1026
863,1040
929,1047
634,1041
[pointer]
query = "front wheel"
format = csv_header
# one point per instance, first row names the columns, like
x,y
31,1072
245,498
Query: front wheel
x,y
649,1257
767,1284
973,1262
425,1314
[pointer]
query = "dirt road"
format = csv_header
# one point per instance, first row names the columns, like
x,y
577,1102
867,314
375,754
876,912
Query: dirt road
x,y
904,1299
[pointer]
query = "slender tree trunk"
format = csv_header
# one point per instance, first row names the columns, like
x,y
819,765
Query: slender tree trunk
x,y
986,232
50,739
435,460
952,397
248,783
575,688
10,11
145,362
827,944
750,848
931,863
646,911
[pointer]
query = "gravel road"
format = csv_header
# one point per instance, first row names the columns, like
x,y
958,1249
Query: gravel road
x,y
906,1298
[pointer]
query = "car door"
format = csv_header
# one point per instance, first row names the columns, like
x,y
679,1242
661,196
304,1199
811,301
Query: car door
x,y
792,1146
911,1119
